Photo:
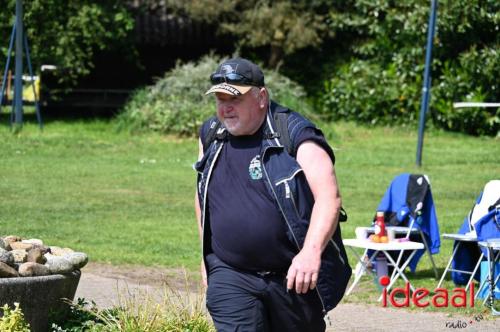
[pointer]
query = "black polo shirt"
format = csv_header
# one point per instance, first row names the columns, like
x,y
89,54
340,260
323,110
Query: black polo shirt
x,y
248,230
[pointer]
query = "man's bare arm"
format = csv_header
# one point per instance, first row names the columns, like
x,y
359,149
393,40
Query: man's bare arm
x,y
320,174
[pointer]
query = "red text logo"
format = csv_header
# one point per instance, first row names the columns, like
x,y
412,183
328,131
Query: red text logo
x,y
400,297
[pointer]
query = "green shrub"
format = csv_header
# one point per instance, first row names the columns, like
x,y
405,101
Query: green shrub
x,y
13,320
379,79
83,316
176,310
366,92
467,81
176,104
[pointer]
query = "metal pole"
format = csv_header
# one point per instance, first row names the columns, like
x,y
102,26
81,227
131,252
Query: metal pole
x,y
30,69
7,63
18,81
424,105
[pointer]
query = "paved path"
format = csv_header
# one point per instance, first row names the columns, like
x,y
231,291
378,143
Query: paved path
x,y
108,290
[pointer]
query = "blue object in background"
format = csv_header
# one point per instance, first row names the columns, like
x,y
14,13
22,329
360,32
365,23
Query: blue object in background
x,y
485,290
465,258
488,227
396,202
424,104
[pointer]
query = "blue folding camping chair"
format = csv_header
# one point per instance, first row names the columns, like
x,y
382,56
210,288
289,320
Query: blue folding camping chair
x,y
408,205
480,224
488,236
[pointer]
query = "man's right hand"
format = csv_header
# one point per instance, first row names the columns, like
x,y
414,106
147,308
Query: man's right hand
x,y
203,274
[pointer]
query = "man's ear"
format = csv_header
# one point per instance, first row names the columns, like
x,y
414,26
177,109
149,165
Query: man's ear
x,y
263,97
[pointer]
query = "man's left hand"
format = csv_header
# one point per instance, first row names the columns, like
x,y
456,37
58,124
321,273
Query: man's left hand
x,y
304,270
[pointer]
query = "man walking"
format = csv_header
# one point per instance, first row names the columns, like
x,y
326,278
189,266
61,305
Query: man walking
x,y
268,213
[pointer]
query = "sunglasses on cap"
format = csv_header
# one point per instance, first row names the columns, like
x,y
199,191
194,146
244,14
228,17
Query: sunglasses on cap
x,y
231,78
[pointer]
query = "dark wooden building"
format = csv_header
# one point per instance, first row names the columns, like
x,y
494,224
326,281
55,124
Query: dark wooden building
x,y
160,39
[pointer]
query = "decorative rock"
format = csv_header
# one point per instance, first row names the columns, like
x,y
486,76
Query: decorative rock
x,y
5,246
20,255
35,242
7,271
6,257
44,249
35,255
31,269
78,259
58,251
31,257
21,245
58,264
12,238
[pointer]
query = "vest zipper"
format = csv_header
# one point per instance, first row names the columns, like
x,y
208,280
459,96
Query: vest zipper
x,y
288,193
277,200
290,196
290,177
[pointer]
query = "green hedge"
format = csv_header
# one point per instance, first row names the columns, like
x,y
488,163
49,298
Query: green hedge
x,y
379,79
365,92
474,79
176,104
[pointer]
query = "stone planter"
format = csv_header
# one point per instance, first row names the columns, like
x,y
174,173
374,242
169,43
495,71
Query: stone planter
x,y
40,297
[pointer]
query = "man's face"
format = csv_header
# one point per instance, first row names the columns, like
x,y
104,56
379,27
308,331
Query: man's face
x,y
244,114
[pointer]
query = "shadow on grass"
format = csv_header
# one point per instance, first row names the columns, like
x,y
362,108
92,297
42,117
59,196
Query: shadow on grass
x,y
426,274
48,116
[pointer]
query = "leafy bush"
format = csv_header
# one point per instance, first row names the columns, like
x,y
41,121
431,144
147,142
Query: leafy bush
x,y
460,83
176,104
381,78
82,317
13,320
365,92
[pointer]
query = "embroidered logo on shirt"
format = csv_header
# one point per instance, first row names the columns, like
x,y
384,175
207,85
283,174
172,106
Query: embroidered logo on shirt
x,y
255,169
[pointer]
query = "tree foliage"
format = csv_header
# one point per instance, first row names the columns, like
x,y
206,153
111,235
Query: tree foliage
x,y
381,78
68,33
282,26
377,51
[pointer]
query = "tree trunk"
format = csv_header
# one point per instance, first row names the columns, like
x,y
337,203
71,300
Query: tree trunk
x,y
276,56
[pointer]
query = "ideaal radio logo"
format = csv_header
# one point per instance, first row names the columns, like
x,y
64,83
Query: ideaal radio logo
x,y
462,324
421,298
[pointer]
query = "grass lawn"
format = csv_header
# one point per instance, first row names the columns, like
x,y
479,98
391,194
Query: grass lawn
x,y
127,199
119,198
458,167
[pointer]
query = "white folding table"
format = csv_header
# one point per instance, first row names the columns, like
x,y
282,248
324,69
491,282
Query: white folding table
x,y
406,231
384,248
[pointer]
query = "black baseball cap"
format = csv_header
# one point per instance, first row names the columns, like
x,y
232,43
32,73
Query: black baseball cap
x,y
236,77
